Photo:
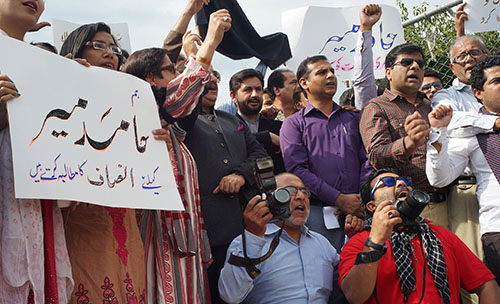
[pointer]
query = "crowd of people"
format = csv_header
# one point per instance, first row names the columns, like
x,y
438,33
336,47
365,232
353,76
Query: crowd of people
x,y
289,197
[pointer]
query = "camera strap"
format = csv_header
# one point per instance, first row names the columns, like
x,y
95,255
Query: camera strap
x,y
249,263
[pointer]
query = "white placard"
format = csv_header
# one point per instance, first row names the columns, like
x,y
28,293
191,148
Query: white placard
x,y
333,32
84,134
482,16
61,29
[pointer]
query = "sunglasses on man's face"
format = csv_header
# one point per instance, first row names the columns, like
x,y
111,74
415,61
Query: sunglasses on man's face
x,y
406,62
389,181
436,85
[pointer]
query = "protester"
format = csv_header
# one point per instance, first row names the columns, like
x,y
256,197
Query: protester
x,y
104,244
321,145
299,270
268,110
448,157
186,252
395,125
282,84
34,261
246,92
224,151
422,264
46,46
431,83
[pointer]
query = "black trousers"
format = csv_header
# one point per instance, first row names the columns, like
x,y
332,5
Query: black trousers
x,y
218,256
491,247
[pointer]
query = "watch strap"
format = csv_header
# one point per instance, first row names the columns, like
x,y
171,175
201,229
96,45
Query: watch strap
x,y
368,257
379,247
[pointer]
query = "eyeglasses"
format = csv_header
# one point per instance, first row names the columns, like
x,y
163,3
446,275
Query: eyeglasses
x,y
293,190
474,53
436,85
406,62
98,45
169,67
389,181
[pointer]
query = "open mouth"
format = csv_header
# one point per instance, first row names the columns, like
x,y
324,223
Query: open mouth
x,y
413,77
32,5
108,66
401,193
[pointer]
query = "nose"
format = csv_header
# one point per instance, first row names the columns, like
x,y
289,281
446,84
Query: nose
x,y
107,51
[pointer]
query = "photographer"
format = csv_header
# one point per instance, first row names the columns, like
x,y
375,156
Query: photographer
x,y
425,264
299,270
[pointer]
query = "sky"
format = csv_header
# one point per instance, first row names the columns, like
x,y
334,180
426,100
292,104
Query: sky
x,y
149,21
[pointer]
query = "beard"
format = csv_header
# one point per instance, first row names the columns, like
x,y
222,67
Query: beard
x,y
246,110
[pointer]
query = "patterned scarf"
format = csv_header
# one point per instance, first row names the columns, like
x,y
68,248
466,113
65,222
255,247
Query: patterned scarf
x,y
402,250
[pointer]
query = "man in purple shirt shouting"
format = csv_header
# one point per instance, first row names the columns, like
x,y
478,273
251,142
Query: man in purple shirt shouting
x,y
321,144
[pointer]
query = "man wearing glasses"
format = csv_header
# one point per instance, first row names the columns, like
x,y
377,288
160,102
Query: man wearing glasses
x,y
431,84
395,125
299,270
426,264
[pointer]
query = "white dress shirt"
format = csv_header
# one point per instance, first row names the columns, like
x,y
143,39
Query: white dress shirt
x,y
466,121
456,153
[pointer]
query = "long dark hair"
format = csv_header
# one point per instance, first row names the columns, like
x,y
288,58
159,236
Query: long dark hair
x,y
75,43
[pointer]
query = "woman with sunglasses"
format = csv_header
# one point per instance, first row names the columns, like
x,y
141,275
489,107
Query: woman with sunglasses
x,y
33,257
186,252
104,244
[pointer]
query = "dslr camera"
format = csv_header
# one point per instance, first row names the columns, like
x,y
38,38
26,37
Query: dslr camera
x,y
278,200
410,208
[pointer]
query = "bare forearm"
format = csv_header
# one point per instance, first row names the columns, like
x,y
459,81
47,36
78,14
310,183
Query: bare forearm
x,y
359,283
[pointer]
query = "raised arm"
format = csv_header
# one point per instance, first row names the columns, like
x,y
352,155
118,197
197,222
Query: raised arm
x,y
364,78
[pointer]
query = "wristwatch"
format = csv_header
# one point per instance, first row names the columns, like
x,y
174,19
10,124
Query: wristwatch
x,y
379,247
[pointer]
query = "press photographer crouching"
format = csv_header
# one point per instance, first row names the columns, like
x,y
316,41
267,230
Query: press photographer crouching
x,y
300,269
402,258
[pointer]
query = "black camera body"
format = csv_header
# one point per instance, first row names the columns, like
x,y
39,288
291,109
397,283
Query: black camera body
x,y
410,208
278,200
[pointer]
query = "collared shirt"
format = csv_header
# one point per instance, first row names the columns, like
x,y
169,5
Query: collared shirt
x,y
294,273
382,122
325,152
364,84
466,120
253,126
456,153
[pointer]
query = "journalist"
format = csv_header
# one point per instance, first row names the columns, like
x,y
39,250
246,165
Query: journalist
x,y
298,270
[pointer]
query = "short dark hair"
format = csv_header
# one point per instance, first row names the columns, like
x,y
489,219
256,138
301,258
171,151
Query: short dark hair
x,y
405,48
145,61
77,39
276,80
238,78
303,69
477,78
432,73
366,189
46,46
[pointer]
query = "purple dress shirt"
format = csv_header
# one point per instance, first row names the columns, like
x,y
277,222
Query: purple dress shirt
x,y
327,153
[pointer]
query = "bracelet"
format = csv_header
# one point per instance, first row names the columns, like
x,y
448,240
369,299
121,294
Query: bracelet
x,y
203,60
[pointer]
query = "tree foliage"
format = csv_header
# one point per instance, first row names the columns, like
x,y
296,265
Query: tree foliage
x,y
435,35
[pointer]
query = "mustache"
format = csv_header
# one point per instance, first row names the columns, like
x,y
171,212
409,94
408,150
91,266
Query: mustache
x,y
253,99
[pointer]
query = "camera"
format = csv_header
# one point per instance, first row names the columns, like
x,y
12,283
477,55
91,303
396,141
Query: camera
x,y
410,208
278,200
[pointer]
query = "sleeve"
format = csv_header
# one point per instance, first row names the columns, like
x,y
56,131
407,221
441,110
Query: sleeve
x,y
364,85
348,255
295,157
443,167
254,150
366,167
473,272
234,282
463,124
173,45
382,151
183,92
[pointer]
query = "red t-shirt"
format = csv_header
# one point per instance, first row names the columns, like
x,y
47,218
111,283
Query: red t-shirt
x,y
464,269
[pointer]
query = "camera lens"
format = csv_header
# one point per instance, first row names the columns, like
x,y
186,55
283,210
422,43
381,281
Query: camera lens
x,y
413,205
282,196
